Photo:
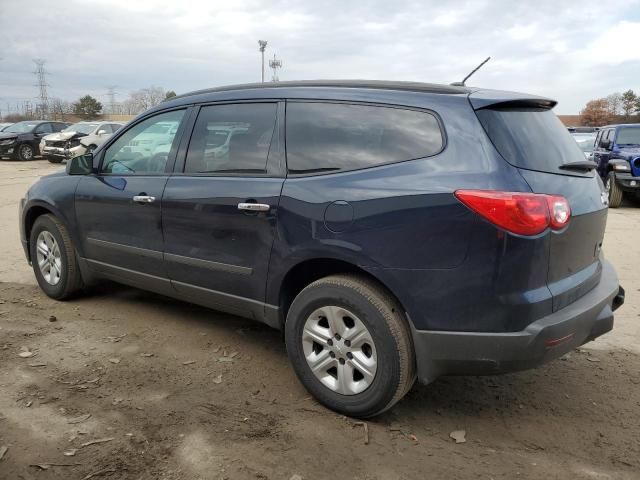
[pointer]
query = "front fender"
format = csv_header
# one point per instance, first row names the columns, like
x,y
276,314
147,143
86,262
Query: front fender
x,y
54,195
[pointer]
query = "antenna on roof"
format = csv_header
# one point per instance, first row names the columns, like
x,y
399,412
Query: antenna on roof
x,y
461,84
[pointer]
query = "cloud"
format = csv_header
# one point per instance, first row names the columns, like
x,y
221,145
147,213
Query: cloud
x,y
548,47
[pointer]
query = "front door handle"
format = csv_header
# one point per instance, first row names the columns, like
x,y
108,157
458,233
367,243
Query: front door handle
x,y
144,199
254,207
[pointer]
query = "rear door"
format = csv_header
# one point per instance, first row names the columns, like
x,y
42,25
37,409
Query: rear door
x,y
119,209
530,137
219,207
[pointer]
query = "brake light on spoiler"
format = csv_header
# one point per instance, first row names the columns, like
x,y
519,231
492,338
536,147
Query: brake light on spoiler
x,y
518,212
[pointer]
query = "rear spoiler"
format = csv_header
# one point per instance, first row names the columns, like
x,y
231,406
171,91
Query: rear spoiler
x,y
497,98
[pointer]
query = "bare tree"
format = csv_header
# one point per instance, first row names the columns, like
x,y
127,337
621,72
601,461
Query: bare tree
x,y
143,99
614,102
596,113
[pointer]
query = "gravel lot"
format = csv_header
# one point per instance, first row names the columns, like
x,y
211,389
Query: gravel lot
x,y
124,384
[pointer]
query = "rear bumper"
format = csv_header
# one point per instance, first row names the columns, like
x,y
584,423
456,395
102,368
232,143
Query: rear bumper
x,y
485,353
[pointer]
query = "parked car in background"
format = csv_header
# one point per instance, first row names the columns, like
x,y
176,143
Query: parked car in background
x,y
77,139
583,129
21,141
393,230
617,154
586,142
4,125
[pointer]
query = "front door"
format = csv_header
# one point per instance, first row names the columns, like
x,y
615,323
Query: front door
x,y
119,209
219,212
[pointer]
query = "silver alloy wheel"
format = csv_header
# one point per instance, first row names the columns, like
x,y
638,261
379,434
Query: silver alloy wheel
x,y
339,350
26,152
49,258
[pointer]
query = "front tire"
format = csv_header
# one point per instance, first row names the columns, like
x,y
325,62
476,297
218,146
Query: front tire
x,y
615,193
350,345
53,159
25,152
53,258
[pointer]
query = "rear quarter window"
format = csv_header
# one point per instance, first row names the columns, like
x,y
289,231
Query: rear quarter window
x,y
326,137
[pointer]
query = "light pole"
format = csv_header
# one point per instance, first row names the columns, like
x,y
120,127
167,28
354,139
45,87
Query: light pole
x,y
262,44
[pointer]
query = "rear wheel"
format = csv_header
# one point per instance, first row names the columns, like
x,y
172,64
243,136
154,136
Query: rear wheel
x,y
53,159
614,191
350,345
53,258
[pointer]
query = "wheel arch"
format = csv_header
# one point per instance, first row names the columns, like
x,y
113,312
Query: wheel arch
x,y
31,214
307,271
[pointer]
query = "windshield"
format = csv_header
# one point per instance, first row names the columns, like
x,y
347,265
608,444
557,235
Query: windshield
x,y
85,128
531,138
21,127
628,136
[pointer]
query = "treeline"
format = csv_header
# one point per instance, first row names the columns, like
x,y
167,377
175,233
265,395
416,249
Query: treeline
x,y
88,107
619,107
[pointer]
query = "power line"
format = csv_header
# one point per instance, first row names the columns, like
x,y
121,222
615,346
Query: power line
x,y
40,73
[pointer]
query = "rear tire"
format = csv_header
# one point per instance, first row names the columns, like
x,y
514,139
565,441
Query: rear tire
x,y
615,194
53,159
53,258
360,379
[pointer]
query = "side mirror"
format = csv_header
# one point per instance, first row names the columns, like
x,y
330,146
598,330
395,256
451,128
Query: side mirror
x,y
102,132
82,165
605,144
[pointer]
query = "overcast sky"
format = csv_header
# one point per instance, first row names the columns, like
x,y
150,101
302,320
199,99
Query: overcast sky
x,y
572,51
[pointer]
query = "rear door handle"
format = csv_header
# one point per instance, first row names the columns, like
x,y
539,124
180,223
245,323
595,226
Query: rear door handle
x,y
254,207
144,199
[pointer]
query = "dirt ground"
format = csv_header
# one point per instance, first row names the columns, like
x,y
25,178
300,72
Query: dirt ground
x,y
123,384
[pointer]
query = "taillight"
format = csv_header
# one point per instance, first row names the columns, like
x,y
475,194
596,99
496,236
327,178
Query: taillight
x,y
516,212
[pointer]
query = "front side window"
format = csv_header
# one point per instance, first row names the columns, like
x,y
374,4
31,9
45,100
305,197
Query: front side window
x,y
325,137
145,147
229,139
44,128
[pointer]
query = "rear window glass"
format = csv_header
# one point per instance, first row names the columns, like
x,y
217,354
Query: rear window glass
x,y
324,137
531,138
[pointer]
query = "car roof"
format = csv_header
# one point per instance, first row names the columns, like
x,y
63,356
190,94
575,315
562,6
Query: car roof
x,y
635,125
372,84
352,90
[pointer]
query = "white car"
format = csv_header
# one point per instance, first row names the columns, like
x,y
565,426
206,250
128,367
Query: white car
x,y
586,143
76,140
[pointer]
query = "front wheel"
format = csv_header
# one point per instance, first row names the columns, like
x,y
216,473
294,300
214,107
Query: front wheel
x,y
25,152
614,191
350,345
53,159
53,258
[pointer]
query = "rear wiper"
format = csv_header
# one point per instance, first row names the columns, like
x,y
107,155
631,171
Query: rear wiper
x,y
584,165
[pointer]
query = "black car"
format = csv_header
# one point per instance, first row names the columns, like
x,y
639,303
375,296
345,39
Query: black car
x,y
21,141
393,230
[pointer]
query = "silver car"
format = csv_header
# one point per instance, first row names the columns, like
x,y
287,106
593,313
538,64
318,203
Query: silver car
x,y
77,139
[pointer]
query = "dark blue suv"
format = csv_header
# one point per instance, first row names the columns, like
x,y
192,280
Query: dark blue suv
x,y
617,153
392,230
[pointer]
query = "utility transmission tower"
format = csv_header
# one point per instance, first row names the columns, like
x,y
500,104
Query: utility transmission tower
x,y
262,44
275,64
41,74
111,95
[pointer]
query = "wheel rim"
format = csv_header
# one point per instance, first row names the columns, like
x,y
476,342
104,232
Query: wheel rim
x,y
49,258
339,350
26,152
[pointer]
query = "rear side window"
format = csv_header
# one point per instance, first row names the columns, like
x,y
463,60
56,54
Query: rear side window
x,y
232,139
530,138
324,137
